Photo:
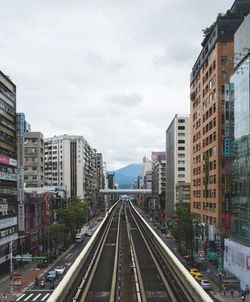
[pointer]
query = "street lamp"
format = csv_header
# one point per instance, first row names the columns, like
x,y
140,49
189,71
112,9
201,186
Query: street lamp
x,y
48,249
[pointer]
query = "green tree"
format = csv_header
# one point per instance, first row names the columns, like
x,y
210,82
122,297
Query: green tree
x,y
57,234
184,229
74,216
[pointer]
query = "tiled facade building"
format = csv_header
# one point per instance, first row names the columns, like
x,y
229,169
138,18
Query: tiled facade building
x,y
34,159
210,73
8,166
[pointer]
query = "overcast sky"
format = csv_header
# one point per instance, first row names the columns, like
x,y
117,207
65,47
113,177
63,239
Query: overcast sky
x,y
115,71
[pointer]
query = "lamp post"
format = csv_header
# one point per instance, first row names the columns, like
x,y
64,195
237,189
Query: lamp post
x,y
48,250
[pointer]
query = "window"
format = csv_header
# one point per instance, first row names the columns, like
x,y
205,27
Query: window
x,y
180,155
181,141
224,60
181,148
181,127
181,169
181,121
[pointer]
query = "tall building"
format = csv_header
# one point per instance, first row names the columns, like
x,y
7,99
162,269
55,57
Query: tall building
x,y
70,161
177,164
99,171
210,72
146,173
34,159
111,180
237,205
22,128
158,177
8,166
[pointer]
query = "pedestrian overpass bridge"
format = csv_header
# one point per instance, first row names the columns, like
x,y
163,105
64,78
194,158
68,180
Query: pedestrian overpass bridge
x,y
144,192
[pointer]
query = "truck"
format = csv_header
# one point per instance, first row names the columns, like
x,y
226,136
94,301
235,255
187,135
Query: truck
x,y
79,238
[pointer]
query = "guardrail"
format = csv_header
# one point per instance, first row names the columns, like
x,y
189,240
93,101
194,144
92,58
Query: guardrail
x,y
72,276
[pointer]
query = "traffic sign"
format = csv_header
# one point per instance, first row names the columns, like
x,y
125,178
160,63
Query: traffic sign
x,y
202,254
40,257
18,257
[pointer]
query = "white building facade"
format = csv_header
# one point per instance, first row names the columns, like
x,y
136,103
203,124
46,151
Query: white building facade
x,y
70,161
177,163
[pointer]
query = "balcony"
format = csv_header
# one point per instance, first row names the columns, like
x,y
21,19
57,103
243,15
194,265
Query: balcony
x,y
7,239
8,176
7,221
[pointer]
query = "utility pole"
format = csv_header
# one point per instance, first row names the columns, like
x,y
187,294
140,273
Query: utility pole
x,y
11,267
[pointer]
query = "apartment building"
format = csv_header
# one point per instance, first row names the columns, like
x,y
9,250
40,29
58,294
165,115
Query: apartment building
x,y
146,170
177,164
70,161
8,166
99,171
210,73
22,127
34,159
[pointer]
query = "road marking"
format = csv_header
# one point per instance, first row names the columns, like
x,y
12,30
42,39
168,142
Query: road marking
x,y
26,299
20,297
36,297
44,298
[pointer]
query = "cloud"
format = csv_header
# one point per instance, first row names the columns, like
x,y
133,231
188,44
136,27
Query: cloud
x,y
131,99
115,72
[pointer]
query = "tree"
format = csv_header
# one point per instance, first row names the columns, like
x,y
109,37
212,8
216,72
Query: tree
x,y
74,216
57,233
184,229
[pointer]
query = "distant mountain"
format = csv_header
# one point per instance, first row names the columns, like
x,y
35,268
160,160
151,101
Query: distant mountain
x,y
126,175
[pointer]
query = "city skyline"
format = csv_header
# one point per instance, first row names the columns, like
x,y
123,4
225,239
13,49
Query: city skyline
x,y
104,70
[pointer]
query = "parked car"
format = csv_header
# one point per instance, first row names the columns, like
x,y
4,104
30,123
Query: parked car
x,y
89,233
51,276
194,271
60,270
205,284
169,235
198,277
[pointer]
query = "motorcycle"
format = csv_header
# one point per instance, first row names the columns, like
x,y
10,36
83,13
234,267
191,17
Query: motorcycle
x,y
36,281
42,283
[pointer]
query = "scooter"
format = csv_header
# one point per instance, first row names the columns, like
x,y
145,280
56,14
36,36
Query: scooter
x,y
36,281
42,283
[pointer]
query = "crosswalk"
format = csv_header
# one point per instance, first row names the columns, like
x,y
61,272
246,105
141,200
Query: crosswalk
x,y
33,296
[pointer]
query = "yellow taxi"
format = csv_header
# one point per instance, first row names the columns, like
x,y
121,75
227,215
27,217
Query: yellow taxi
x,y
198,277
194,271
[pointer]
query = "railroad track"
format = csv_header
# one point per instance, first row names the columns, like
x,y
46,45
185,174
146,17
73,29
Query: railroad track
x,y
127,262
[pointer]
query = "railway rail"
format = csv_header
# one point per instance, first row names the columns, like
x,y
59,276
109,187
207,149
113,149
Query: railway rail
x,y
126,261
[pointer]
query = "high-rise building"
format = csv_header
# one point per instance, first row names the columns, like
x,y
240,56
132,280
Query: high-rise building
x,y
111,180
70,161
237,183
177,164
158,160
8,166
99,171
22,128
34,159
210,72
